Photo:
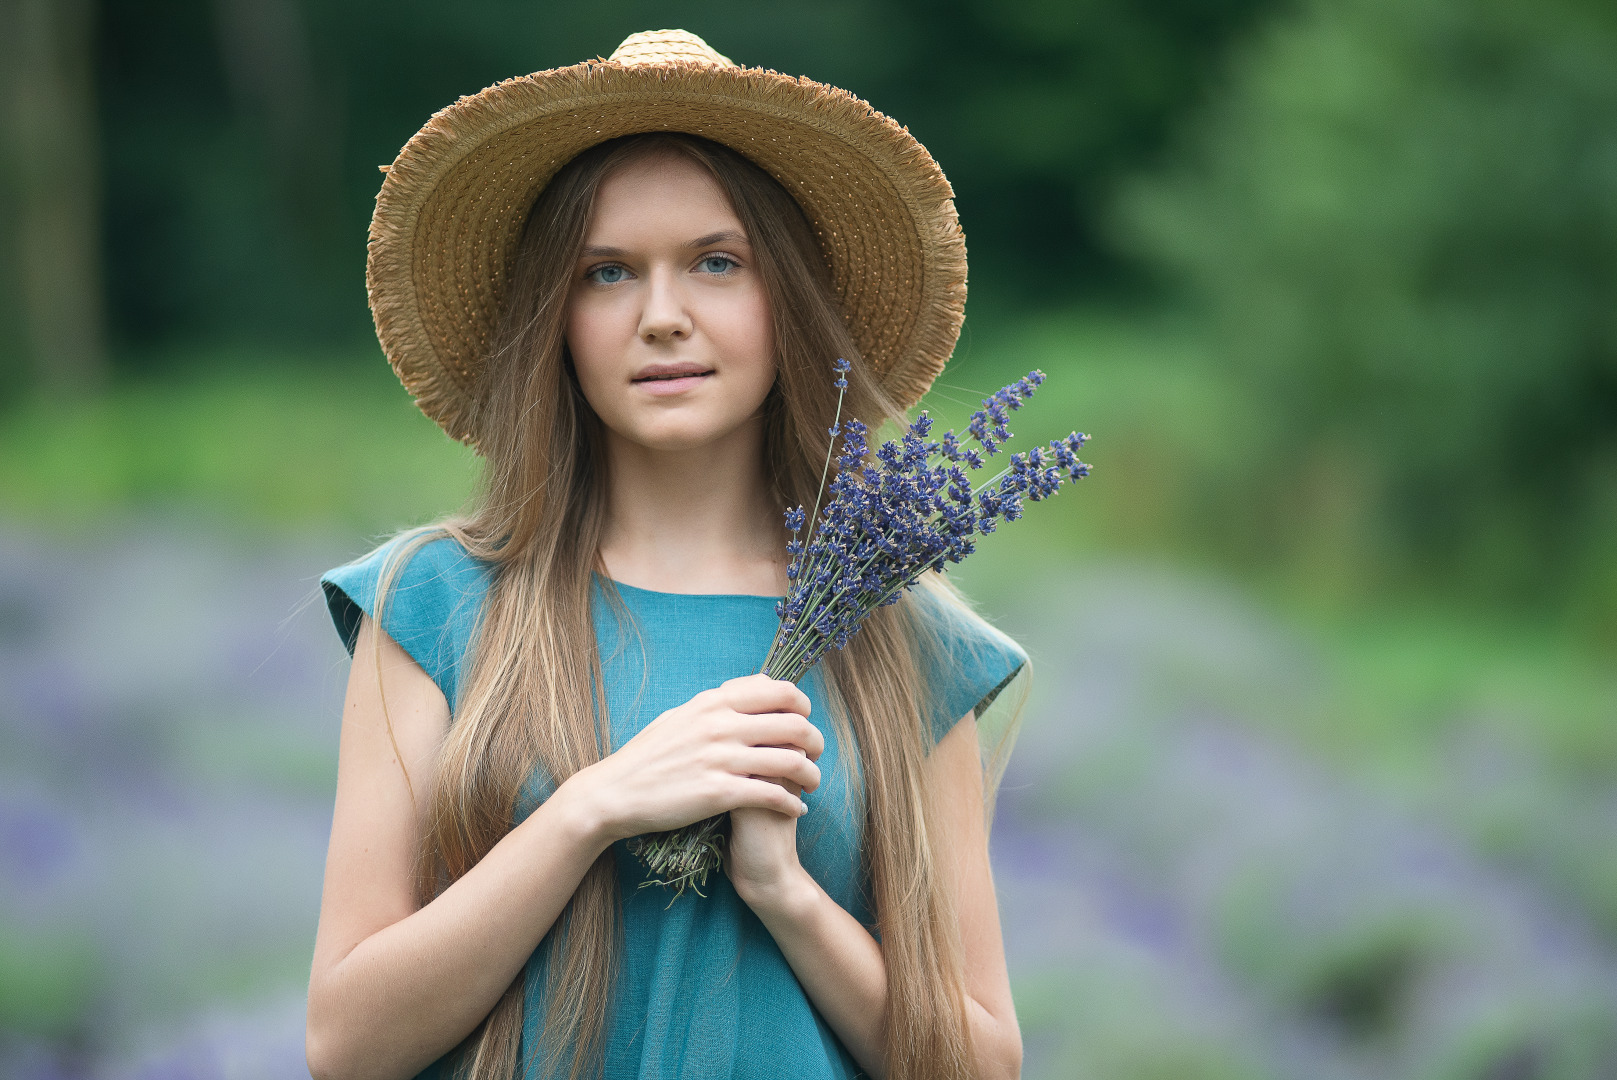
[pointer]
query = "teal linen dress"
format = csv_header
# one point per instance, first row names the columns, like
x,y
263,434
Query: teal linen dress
x,y
703,990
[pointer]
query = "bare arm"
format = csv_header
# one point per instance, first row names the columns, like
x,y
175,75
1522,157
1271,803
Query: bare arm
x,y
837,960
393,986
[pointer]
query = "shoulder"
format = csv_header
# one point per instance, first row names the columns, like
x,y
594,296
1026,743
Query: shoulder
x,y
965,660
424,589
418,574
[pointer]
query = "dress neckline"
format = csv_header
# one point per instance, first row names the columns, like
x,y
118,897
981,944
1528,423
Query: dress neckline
x,y
624,587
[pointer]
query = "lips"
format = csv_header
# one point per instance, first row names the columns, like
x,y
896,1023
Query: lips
x,y
657,373
670,380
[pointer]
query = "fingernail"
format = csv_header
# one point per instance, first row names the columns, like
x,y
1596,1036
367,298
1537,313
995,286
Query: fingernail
x,y
802,807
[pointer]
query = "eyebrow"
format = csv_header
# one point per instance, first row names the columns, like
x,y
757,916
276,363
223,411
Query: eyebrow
x,y
726,236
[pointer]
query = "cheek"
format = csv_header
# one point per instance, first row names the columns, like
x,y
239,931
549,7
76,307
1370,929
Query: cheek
x,y
749,337
590,333
585,333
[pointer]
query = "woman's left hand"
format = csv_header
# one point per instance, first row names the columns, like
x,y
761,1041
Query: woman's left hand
x,y
762,853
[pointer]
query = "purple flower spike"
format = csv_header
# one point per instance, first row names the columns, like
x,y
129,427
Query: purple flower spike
x,y
841,367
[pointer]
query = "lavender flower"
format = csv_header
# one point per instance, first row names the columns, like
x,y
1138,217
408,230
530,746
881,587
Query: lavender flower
x,y
891,516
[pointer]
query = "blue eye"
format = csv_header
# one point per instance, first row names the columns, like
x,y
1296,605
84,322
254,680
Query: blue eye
x,y
607,275
718,264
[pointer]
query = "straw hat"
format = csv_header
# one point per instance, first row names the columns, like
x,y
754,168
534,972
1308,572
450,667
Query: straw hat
x,y
450,213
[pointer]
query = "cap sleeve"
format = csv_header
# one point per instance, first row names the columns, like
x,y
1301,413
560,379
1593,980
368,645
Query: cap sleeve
x,y
966,661
432,608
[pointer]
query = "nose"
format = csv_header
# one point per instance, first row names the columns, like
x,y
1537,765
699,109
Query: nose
x,y
666,315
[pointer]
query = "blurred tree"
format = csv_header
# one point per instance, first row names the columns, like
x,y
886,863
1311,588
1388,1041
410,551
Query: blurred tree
x,y
242,136
226,218
51,161
297,122
1402,220
1037,109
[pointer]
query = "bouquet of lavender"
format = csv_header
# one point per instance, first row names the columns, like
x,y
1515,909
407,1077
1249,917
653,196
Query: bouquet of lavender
x,y
887,521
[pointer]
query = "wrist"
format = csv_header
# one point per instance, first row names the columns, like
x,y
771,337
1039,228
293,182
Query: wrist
x,y
790,896
581,812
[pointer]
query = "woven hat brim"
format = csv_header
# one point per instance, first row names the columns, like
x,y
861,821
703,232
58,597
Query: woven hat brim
x,y
451,210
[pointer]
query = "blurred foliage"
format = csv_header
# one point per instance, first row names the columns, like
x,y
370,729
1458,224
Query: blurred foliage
x,y
48,981
1401,219
241,137
1110,1019
262,439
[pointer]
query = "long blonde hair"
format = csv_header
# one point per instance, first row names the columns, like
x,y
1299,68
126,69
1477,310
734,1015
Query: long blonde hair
x,y
531,702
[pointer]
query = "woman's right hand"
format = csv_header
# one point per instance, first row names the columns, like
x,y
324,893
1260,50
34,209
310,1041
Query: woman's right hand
x,y
722,749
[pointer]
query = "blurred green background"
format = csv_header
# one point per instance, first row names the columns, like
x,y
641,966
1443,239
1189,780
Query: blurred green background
x,y
1319,777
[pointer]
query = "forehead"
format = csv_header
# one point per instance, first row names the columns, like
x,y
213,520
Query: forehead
x,y
659,195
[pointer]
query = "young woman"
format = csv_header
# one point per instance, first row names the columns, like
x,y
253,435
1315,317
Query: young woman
x,y
625,284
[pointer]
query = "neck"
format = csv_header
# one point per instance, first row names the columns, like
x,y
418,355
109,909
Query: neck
x,y
693,521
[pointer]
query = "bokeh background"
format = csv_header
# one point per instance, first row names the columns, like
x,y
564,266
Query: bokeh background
x,y
1319,774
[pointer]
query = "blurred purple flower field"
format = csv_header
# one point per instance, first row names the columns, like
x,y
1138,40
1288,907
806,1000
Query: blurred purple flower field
x,y
1184,894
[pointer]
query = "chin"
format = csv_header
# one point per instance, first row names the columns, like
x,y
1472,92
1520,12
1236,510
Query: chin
x,y
683,434
678,442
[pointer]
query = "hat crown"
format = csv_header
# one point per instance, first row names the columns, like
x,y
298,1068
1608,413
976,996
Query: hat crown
x,y
651,47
